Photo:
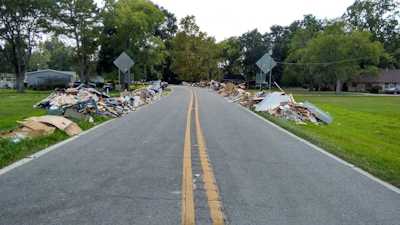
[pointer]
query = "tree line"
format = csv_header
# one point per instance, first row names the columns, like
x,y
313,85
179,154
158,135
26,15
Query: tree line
x,y
86,37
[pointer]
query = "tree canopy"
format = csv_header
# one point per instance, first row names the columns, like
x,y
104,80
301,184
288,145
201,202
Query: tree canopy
x,y
335,56
195,56
310,52
21,21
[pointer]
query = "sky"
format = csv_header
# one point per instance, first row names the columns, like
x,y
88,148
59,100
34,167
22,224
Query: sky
x,y
226,18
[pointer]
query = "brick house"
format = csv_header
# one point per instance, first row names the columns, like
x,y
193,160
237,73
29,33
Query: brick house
x,y
385,80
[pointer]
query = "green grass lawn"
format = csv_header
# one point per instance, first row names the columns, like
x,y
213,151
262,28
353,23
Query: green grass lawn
x,y
365,131
15,106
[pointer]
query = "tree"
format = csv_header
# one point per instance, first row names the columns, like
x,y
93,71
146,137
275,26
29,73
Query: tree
x,y
301,33
20,22
166,31
5,65
80,21
151,57
231,56
380,18
335,56
195,56
253,46
53,54
279,38
39,60
61,55
130,26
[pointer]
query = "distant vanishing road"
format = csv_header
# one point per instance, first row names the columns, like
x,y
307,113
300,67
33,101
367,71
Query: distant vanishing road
x,y
191,158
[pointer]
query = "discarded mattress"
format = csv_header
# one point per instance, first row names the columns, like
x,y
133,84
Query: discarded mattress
x,y
318,113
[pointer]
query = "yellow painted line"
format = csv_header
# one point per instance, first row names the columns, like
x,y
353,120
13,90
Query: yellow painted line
x,y
188,214
210,185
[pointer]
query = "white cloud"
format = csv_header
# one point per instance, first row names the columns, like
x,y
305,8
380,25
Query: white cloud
x,y
225,18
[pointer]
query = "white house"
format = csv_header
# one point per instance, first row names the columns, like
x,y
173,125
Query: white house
x,y
49,78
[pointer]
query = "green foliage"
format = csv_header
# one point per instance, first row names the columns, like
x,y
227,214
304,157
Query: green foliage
x,y
381,18
131,26
253,46
38,60
169,27
231,56
20,22
334,56
195,56
79,20
135,20
53,54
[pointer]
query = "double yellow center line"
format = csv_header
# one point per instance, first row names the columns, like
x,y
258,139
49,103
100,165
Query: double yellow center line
x,y
212,193
187,176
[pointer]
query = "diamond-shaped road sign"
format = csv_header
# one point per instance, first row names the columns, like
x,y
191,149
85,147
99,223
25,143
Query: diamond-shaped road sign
x,y
266,63
124,62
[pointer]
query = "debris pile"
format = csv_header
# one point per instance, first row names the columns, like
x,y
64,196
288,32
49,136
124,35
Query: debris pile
x,y
82,102
41,126
277,104
234,93
283,105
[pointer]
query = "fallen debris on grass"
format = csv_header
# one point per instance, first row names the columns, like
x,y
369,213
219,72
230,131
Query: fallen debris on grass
x,y
41,126
278,104
80,103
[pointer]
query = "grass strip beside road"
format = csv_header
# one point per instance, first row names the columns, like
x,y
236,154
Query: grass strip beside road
x,y
11,152
365,132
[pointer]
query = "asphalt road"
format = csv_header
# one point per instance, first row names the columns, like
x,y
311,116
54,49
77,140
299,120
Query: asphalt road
x,y
129,171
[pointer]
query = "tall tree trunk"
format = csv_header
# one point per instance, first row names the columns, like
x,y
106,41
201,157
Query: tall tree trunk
x,y
85,69
19,70
20,76
338,86
82,71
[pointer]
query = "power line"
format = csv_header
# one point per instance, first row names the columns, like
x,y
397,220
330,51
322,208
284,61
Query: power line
x,y
324,63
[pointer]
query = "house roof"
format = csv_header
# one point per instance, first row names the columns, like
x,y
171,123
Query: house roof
x,y
386,76
72,73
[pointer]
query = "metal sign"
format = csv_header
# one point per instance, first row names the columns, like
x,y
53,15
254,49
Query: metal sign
x,y
266,63
124,62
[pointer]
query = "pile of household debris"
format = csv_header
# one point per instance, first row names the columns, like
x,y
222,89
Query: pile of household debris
x,y
277,104
234,93
82,102
283,105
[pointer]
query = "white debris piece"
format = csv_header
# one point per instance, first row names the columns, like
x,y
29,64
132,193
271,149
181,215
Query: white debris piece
x,y
272,101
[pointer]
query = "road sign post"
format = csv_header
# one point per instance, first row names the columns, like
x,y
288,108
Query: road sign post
x,y
266,64
124,63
